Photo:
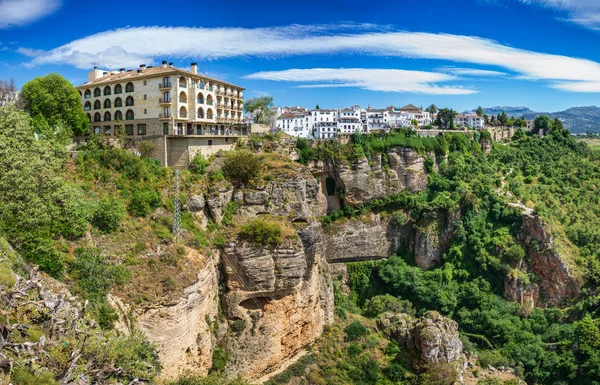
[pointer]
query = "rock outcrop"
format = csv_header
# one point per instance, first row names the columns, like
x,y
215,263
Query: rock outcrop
x,y
432,338
278,300
551,261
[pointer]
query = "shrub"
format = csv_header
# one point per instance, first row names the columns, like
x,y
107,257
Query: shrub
x,y
395,372
491,358
25,376
144,202
354,331
238,326
383,303
108,214
219,360
240,167
198,164
145,149
262,232
440,373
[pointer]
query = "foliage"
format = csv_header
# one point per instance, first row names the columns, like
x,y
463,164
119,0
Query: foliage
x,y
219,360
26,376
354,331
143,202
54,103
383,303
108,214
259,108
264,233
240,167
198,164
145,148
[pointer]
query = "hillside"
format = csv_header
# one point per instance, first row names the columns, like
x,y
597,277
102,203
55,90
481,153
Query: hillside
x,y
576,119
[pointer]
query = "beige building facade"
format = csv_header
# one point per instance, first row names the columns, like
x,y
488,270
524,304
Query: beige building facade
x,y
164,104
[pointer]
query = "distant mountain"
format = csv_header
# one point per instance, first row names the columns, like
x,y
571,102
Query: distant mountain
x,y
576,119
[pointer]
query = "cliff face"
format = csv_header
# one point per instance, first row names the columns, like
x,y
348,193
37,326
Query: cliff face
x,y
367,179
559,282
278,301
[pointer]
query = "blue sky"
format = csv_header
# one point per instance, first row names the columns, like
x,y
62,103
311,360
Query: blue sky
x,y
538,53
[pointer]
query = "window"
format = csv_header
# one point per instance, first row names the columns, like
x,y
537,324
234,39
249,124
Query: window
x,y
118,89
107,116
145,82
107,103
97,91
96,129
107,130
97,105
145,111
167,111
129,101
210,142
129,129
129,115
145,97
106,90
118,102
118,115
129,87
97,117
166,128
87,94
167,81
87,106
167,97
141,129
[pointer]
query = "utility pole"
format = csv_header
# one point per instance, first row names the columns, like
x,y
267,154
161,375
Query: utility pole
x,y
177,213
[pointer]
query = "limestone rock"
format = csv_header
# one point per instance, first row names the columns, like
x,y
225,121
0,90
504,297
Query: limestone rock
x,y
432,238
196,203
218,201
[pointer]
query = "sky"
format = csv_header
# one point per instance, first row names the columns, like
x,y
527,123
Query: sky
x,y
460,54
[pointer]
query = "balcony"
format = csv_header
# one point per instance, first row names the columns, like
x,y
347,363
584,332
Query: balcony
x,y
182,85
164,86
164,116
209,102
164,100
182,100
183,116
200,101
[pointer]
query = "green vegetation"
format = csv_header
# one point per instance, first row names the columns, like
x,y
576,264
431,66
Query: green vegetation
x,y
55,107
264,233
260,109
240,167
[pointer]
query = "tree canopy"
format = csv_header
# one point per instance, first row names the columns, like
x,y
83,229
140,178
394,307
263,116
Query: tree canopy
x,y
260,108
54,104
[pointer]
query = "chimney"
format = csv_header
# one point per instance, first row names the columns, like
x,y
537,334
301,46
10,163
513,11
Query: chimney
x,y
139,71
171,64
164,64
142,67
122,70
104,73
194,68
95,67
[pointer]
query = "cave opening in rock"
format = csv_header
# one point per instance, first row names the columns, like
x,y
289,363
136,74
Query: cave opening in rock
x,y
255,303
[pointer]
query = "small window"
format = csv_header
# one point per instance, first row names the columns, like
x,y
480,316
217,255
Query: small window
x,y
145,82
166,128
129,129
141,129
106,130
145,96
210,142
145,111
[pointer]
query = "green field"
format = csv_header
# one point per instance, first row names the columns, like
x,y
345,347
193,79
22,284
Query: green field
x,y
593,143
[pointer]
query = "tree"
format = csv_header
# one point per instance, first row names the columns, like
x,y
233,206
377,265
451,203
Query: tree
x,y
317,107
503,118
432,109
414,123
479,111
543,122
260,108
54,104
445,118
8,91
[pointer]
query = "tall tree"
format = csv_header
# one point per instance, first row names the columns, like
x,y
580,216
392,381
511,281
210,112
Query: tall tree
x,y
54,104
543,122
445,118
479,111
432,109
260,109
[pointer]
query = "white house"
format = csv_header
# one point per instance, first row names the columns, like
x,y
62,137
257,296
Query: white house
x,y
295,124
469,120
324,123
375,119
349,121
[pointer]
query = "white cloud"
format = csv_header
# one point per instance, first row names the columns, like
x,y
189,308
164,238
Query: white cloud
x,y
578,86
130,46
23,12
472,72
392,80
583,12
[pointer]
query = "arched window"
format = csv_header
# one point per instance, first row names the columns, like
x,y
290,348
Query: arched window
x,y
97,91
129,101
106,90
118,102
89,117
87,94
182,82
183,112
87,106
200,113
97,105
209,100
118,89
107,116
97,117
129,87
129,115
182,97
118,115
107,103
209,114
200,98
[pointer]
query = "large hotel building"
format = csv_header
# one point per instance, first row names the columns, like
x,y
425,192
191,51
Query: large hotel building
x,y
164,102
161,101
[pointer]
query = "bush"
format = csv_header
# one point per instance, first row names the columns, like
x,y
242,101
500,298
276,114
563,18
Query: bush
x,y
384,303
262,232
144,202
440,373
238,326
219,360
108,214
240,167
25,376
198,164
354,331
145,149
